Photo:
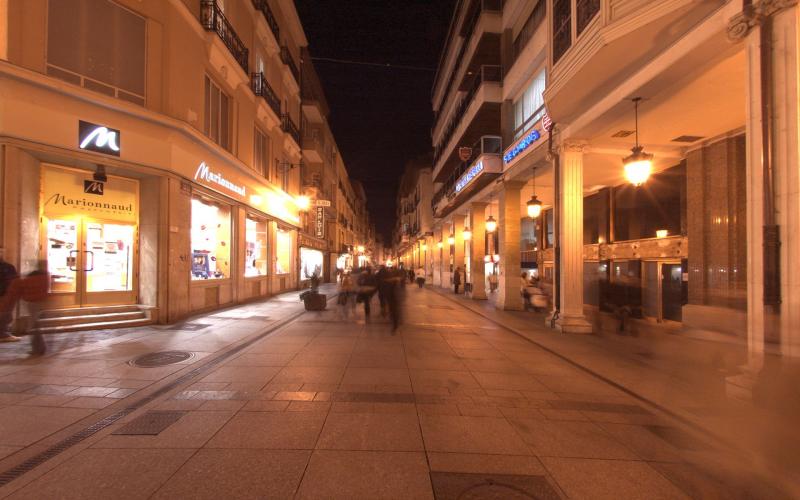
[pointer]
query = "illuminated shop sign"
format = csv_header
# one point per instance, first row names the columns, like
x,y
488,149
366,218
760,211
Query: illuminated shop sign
x,y
97,138
521,146
470,174
205,173
319,222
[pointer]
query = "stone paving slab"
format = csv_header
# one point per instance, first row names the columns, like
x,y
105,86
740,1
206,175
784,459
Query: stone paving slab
x,y
344,409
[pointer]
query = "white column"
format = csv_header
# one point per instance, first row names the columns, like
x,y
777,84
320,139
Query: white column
x,y
572,319
477,223
508,225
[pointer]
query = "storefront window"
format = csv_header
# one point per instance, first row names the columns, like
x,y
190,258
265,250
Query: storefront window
x,y
255,253
310,263
211,240
283,252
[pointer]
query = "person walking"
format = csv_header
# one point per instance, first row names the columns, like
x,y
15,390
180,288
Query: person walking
x,y
382,277
345,299
8,273
366,289
394,293
457,279
420,276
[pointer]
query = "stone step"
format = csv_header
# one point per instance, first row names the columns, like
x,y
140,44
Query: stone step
x,y
97,326
84,311
51,322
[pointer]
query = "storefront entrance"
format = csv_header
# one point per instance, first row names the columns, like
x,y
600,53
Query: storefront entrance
x,y
91,262
89,238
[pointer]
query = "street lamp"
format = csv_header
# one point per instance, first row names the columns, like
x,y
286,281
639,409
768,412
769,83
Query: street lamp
x,y
360,248
451,240
439,245
534,205
303,202
466,234
639,164
491,224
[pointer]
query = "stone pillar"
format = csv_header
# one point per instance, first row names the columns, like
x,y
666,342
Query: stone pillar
x,y
509,227
477,223
571,319
458,248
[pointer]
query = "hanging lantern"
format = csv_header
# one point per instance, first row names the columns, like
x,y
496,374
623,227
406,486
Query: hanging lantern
x,y
451,240
466,234
639,164
534,207
491,224
439,245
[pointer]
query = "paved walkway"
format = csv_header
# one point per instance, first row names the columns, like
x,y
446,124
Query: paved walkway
x,y
277,403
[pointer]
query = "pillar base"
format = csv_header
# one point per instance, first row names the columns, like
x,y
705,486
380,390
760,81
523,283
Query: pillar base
x,y
573,324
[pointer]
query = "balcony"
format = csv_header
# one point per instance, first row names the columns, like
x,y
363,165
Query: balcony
x,y
288,126
212,19
483,166
288,60
484,119
262,88
587,41
483,49
263,7
313,144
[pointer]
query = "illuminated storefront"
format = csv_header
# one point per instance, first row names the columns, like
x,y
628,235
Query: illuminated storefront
x,y
211,240
283,251
89,230
311,262
255,254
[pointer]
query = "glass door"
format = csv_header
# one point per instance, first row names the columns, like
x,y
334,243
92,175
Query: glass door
x,y
91,262
108,263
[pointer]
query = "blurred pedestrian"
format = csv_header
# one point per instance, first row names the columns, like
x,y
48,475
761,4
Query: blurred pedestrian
x,y
420,276
35,288
394,294
457,279
410,275
383,277
8,273
366,289
345,299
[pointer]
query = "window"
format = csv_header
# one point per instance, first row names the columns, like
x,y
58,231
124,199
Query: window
x,y
283,252
549,229
584,12
595,218
217,119
211,240
283,175
530,106
255,253
562,28
260,152
98,45
640,212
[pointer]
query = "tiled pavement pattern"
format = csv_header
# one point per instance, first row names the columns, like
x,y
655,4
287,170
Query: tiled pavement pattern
x,y
452,407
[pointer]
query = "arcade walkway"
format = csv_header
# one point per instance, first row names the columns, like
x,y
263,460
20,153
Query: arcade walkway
x,y
280,403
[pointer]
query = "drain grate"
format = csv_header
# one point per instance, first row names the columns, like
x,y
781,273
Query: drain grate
x,y
150,424
453,486
163,358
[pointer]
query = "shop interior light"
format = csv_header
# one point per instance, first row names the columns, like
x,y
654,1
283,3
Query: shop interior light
x,y
303,202
491,224
360,249
451,240
639,164
466,234
661,233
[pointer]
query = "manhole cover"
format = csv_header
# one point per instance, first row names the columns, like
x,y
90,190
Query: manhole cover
x,y
163,358
458,486
150,424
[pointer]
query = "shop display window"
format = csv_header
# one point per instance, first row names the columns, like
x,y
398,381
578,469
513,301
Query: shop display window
x,y
255,253
283,252
310,263
211,240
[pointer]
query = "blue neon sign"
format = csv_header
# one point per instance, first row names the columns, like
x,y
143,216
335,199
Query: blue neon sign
x,y
521,146
465,179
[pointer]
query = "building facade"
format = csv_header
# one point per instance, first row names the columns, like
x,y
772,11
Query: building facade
x,y
537,102
150,149
413,230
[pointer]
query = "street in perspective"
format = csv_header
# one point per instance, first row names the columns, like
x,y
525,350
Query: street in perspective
x,y
458,249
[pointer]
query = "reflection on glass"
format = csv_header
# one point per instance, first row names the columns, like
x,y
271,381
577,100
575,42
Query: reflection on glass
x,y
255,258
283,252
211,233
62,254
108,257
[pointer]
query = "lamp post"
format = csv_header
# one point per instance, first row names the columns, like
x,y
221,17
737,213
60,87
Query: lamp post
x,y
639,164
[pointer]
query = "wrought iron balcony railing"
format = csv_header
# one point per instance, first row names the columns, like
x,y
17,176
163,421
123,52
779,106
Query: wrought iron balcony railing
x,y
262,88
263,7
213,19
487,74
288,126
288,60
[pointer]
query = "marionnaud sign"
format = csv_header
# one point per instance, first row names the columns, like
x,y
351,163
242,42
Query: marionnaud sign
x,y
98,138
521,146
205,173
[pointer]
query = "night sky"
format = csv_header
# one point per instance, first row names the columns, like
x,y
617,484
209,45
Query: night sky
x,y
380,116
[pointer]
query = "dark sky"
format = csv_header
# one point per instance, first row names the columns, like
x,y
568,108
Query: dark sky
x,y
380,116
